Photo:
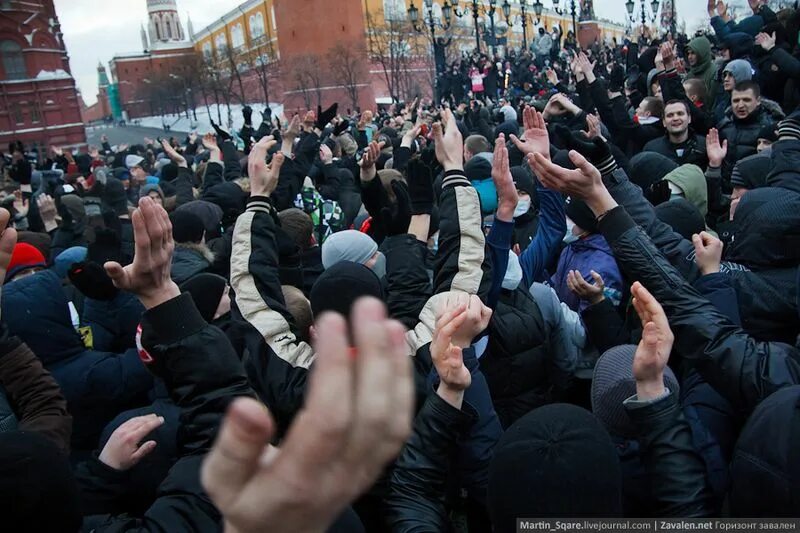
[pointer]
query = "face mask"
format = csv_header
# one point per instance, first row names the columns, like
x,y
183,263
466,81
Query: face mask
x,y
380,266
570,237
523,206
513,276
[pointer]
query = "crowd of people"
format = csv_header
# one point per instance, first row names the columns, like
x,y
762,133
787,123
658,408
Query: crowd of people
x,y
572,293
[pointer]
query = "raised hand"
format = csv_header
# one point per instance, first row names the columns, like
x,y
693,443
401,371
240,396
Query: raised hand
x,y
263,177
593,127
667,56
587,67
537,139
325,154
47,210
448,358
176,158
357,416
584,182
766,41
552,77
708,252
123,451
448,142
222,134
507,197
653,351
293,130
587,291
368,160
722,10
715,150
148,277
477,319
8,239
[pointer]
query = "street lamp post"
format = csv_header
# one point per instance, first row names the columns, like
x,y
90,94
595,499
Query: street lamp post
x,y
477,9
630,6
524,17
573,12
432,23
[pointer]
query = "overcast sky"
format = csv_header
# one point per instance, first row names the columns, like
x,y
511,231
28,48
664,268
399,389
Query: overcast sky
x,y
94,30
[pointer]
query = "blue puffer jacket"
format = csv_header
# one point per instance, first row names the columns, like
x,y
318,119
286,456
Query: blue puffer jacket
x,y
584,255
97,385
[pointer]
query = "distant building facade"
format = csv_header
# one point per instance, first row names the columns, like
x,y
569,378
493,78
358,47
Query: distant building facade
x,y
39,103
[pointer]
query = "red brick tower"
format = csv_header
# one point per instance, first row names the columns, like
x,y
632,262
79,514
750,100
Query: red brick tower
x,y
38,100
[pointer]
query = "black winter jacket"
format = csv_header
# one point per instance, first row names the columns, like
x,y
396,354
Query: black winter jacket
x,y
742,134
693,150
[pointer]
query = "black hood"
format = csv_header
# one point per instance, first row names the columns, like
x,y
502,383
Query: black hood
x,y
740,44
765,471
767,230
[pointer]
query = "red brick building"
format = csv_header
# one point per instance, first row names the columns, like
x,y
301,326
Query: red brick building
x,y
165,52
39,103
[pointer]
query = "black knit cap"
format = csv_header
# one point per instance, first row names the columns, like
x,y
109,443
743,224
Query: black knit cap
x,y
683,216
647,168
765,471
186,227
341,285
206,290
557,460
37,488
751,172
580,214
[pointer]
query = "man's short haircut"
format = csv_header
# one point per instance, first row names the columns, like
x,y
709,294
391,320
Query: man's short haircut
x,y
477,144
298,226
298,306
696,87
684,103
655,106
748,85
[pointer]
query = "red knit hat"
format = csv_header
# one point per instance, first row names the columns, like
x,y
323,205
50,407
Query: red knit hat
x,y
23,257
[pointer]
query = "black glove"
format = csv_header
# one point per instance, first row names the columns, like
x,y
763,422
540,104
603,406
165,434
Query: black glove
x,y
324,117
222,134
658,192
247,113
395,217
341,127
266,115
91,279
420,187
595,150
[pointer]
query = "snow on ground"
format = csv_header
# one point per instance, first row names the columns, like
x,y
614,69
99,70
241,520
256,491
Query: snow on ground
x,y
203,123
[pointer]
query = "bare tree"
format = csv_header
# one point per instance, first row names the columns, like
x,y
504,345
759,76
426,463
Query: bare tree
x,y
393,45
307,75
347,62
261,60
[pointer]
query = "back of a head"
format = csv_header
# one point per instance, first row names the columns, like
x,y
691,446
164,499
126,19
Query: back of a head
x,y
298,225
613,383
38,491
767,222
300,309
476,144
187,227
683,217
348,245
655,106
341,285
765,471
647,168
556,461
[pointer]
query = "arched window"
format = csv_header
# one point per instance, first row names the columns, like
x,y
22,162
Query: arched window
x,y
159,33
221,44
207,50
13,61
256,25
167,29
237,36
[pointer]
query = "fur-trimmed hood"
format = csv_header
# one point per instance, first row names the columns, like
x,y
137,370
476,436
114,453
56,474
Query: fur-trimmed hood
x,y
189,260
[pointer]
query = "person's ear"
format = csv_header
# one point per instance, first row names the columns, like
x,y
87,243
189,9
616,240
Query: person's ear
x,y
312,334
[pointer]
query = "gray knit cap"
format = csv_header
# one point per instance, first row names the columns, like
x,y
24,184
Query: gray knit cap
x,y
613,383
740,69
348,245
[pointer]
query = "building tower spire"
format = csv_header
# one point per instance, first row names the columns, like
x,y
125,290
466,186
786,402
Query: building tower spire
x,y
165,23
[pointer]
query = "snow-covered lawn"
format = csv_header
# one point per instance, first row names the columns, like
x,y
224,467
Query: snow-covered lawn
x,y
203,123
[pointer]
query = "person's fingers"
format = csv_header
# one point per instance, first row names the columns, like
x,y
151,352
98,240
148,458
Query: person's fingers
x,y
448,329
698,244
579,161
598,279
147,425
650,337
142,451
519,144
403,393
277,162
233,460
321,430
725,144
449,314
141,238
373,377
